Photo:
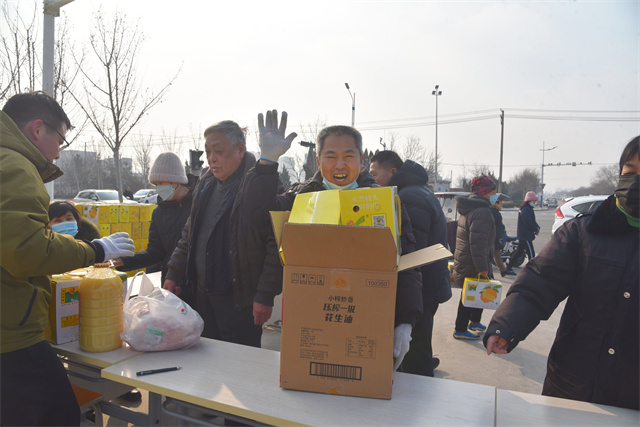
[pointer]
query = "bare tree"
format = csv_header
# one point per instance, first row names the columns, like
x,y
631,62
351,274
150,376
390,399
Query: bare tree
x,y
414,150
310,131
20,69
605,180
116,101
526,180
142,147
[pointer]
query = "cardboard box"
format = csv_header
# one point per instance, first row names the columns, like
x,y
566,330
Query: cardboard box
x,y
450,265
64,308
145,212
136,230
124,213
339,296
134,213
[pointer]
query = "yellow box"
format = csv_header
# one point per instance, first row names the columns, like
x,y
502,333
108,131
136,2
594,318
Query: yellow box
x,y
126,227
450,265
134,213
79,207
114,214
138,245
105,229
116,228
373,207
91,213
136,230
103,214
320,207
145,212
145,229
124,213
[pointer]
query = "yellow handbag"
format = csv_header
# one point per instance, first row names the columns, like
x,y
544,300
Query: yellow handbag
x,y
481,293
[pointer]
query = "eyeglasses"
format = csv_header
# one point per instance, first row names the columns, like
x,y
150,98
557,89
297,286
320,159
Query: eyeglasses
x,y
64,144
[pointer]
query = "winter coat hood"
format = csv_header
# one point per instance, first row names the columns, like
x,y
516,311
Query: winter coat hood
x,y
466,204
411,173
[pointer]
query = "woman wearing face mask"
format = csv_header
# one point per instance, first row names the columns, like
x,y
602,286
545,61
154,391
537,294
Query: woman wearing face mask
x,y
174,205
528,229
65,219
592,262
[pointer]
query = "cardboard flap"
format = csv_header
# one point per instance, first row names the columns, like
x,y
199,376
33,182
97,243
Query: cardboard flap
x,y
339,246
423,257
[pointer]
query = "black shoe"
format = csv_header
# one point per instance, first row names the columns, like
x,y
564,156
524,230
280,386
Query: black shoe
x,y
435,362
132,396
509,272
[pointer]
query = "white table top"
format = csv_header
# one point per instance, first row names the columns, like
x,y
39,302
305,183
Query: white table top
x,y
524,409
243,381
102,360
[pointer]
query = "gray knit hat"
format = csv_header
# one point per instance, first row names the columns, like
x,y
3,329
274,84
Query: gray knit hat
x,y
167,168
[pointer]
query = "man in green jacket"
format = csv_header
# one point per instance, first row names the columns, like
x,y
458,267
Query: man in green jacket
x,y
35,389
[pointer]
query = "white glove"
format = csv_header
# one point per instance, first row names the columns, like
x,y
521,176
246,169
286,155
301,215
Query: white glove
x,y
401,340
273,144
116,245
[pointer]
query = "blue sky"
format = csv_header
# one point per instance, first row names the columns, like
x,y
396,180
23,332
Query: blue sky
x,y
240,58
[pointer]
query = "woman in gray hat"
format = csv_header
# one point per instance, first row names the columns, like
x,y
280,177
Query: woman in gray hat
x,y
174,205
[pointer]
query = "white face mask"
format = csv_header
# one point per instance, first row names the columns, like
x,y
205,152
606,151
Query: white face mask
x,y
165,191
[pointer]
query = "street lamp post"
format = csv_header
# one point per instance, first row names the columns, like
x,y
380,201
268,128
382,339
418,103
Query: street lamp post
x,y
353,106
542,176
437,93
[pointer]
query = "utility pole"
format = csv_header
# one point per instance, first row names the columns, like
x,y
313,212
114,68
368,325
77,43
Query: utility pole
x,y
502,149
437,93
353,106
542,177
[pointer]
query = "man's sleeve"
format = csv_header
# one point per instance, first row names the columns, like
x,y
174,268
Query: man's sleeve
x,y
542,284
28,247
177,265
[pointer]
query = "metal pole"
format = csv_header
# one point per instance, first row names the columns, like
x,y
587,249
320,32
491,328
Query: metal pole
x,y
542,175
437,93
353,111
501,149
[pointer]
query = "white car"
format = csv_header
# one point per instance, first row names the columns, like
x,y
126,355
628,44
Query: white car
x,y
104,196
574,206
142,193
151,197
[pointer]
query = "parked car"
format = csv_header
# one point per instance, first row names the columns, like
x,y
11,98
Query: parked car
x,y
448,203
151,197
142,193
105,196
574,206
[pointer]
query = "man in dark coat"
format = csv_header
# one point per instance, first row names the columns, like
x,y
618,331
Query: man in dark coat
x,y
429,228
222,260
340,159
592,261
474,249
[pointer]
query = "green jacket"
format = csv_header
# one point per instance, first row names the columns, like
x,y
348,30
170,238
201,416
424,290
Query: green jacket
x,y
29,250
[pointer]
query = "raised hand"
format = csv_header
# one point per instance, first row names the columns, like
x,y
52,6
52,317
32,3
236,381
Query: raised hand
x,y
273,143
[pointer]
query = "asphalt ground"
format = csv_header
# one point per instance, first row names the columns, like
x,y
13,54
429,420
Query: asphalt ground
x,y
521,370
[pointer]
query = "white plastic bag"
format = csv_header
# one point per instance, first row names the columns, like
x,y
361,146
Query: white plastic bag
x,y
157,320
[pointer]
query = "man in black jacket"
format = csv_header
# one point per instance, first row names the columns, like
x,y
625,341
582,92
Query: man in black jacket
x,y
429,228
340,159
592,262
222,262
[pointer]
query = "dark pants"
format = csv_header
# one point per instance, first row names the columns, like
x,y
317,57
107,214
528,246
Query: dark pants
x,y
418,358
523,245
466,314
35,389
223,322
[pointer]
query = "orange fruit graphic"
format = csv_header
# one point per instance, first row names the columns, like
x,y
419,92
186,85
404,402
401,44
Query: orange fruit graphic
x,y
341,283
488,294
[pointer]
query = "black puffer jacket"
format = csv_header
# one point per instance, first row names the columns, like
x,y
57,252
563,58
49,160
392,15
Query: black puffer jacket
x,y
593,261
428,224
527,225
474,238
500,228
167,222
261,195
255,265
